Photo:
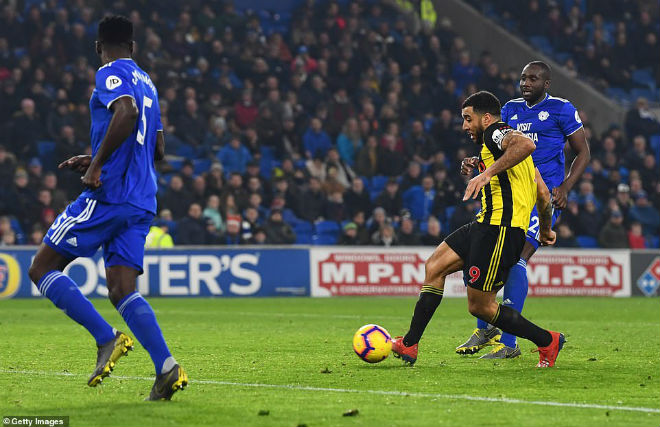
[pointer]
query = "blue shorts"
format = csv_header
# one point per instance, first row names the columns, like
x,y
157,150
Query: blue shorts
x,y
533,230
88,224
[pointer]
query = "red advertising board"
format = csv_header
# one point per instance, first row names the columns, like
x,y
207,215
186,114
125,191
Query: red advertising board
x,y
400,271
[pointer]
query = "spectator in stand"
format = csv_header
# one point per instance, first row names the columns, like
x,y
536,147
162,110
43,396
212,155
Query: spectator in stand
x,y
357,198
635,157
234,156
420,146
566,238
176,199
349,236
212,211
345,174
369,158
645,214
316,141
313,201
635,237
589,218
613,235
232,235
385,236
649,173
191,230
412,177
213,236
623,199
390,198
245,110
407,235
158,236
463,214
335,208
434,235
349,142
278,232
641,120
26,130
191,126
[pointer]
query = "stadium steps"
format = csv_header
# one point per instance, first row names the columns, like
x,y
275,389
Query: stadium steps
x,y
587,242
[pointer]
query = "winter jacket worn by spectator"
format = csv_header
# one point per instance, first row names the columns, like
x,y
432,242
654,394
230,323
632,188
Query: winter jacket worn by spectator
x,y
278,232
316,143
191,230
613,234
234,157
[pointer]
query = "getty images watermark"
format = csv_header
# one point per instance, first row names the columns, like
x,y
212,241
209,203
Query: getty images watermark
x,y
31,420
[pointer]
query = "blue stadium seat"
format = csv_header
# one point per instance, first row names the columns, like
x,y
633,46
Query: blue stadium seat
x,y
327,228
303,227
186,151
587,242
201,165
644,77
542,43
378,183
653,242
46,151
176,164
304,238
424,226
651,95
413,200
325,240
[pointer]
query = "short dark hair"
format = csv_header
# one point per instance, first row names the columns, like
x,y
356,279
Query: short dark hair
x,y
115,30
483,102
543,66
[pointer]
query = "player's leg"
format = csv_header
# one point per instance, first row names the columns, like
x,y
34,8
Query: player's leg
x,y
517,285
482,292
53,256
123,259
444,261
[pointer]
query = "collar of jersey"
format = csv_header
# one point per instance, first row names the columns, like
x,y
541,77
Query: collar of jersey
x,y
538,104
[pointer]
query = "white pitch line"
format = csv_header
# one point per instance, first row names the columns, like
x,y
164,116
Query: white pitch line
x,y
376,392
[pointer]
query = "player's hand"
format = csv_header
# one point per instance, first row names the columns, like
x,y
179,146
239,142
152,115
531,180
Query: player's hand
x,y
92,178
468,164
475,185
77,163
559,197
548,238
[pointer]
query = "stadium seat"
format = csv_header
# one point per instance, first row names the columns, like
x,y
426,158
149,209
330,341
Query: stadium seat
x,y
304,238
324,240
424,226
654,143
413,200
378,183
186,151
542,43
201,165
176,164
587,242
644,77
653,242
303,227
651,95
46,151
327,228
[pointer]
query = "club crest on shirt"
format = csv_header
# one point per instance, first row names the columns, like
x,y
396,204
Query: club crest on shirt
x,y
543,115
112,82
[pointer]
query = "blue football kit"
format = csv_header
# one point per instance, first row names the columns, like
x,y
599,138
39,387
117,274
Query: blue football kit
x,y
548,124
117,215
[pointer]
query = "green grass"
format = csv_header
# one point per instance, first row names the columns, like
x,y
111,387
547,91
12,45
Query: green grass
x,y
611,358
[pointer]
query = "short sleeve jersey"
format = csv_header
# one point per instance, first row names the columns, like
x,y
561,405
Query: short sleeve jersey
x,y
548,124
129,175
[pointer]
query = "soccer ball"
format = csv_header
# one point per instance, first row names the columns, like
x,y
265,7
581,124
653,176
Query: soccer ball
x,y
372,343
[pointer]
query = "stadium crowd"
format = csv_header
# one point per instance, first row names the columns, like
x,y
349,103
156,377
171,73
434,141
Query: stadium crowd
x,y
335,122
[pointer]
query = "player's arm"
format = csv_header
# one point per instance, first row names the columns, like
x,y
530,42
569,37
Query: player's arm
x,y
159,154
544,208
516,147
578,142
125,113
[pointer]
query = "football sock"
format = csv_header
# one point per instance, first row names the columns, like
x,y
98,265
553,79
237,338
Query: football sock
x,y
65,294
481,324
429,300
140,317
515,292
509,320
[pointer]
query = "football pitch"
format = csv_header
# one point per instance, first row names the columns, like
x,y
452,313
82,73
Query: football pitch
x,y
289,362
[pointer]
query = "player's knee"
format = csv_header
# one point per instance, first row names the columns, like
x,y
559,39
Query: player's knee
x,y
480,310
36,272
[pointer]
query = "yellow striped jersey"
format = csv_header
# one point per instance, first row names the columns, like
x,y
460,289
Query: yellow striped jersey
x,y
510,196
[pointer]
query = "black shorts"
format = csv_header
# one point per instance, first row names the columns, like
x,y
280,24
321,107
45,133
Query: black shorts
x,y
488,253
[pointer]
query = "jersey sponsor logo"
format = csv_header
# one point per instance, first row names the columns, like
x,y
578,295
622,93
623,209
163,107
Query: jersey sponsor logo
x,y
515,117
577,117
499,134
543,115
523,127
112,82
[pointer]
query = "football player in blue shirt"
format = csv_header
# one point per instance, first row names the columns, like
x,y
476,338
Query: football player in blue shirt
x,y
114,212
550,122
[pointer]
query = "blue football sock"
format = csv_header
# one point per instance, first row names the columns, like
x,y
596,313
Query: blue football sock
x,y
140,317
515,292
482,324
66,296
